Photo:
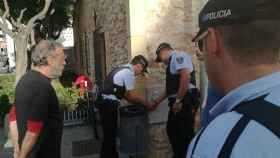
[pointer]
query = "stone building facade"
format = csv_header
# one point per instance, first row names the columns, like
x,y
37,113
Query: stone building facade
x,y
108,33
101,35
112,31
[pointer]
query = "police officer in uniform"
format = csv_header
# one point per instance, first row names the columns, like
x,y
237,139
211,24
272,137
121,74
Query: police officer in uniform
x,y
239,41
180,80
118,85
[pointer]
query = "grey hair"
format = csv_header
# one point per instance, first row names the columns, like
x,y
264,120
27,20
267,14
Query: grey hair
x,y
43,50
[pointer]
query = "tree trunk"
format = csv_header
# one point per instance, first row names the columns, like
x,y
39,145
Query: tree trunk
x,y
21,56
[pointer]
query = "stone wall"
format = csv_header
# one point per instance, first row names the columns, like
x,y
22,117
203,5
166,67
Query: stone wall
x,y
112,17
135,27
103,16
172,21
159,146
83,28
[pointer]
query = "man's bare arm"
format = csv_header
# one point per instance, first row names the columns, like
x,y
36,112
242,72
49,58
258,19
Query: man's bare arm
x,y
34,129
13,130
134,97
184,82
29,141
183,87
14,137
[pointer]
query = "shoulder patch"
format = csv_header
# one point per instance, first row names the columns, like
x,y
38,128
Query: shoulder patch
x,y
180,59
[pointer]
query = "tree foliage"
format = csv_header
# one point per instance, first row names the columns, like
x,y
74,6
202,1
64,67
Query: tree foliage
x,y
57,18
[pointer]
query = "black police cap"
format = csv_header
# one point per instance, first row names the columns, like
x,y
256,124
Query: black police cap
x,y
228,12
161,47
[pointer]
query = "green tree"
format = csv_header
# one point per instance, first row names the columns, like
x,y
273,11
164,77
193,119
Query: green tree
x,y
53,24
28,21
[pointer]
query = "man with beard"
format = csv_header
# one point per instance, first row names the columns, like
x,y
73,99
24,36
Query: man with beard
x,y
38,117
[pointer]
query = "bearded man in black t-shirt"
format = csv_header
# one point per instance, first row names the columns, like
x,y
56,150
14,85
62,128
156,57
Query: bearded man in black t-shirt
x,y
38,117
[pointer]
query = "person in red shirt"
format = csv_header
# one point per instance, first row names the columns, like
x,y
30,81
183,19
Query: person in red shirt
x,y
84,83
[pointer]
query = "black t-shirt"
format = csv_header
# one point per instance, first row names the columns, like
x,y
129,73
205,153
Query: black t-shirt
x,y
36,101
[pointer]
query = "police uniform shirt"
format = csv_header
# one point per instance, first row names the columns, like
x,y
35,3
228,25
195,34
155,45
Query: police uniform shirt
x,y
124,77
211,98
179,61
256,141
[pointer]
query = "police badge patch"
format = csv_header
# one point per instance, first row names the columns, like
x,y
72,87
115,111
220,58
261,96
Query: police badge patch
x,y
180,60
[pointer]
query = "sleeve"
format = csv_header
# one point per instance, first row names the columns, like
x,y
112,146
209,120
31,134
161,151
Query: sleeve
x,y
125,77
129,80
38,111
182,61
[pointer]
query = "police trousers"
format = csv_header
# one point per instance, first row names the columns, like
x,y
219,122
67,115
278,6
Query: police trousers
x,y
109,117
180,127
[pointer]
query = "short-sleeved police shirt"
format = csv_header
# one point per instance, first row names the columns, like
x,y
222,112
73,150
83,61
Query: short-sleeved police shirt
x,y
256,141
125,77
36,101
181,60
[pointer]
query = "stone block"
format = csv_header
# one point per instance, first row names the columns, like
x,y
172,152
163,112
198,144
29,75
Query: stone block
x,y
159,146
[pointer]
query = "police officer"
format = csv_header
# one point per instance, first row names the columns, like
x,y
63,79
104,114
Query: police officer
x,y
240,43
119,84
180,79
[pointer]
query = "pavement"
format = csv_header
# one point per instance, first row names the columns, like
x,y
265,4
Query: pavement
x,y
4,152
86,145
2,138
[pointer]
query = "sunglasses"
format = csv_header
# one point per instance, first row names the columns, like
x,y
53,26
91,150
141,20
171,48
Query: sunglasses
x,y
200,45
200,41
